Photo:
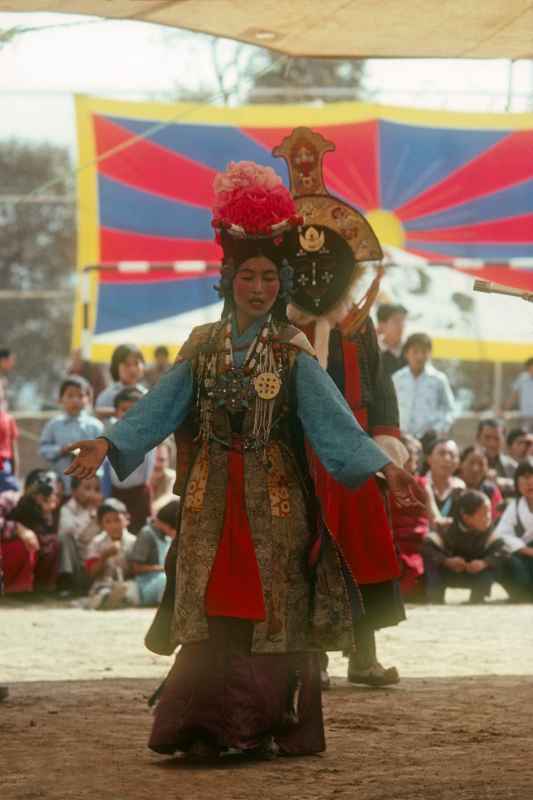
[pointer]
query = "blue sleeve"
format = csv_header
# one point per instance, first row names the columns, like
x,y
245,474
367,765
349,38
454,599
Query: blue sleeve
x,y
106,487
48,446
104,399
98,427
151,420
345,450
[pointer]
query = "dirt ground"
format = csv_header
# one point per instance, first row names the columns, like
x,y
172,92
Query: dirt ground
x,y
458,727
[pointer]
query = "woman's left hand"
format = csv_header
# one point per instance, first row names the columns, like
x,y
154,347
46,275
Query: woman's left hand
x,y
404,488
89,455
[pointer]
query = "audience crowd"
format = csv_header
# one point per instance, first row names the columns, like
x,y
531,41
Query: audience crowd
x,y
102,542
99,541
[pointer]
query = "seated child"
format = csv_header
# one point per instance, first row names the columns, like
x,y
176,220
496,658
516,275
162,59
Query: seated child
x,y
516,529
34,512
18,549
73,424
78,525
149,552
135,490
468,554
107,557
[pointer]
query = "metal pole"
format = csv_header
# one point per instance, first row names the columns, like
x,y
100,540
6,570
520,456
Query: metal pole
x,y
497,396
509,100
45,294
9,199
85,296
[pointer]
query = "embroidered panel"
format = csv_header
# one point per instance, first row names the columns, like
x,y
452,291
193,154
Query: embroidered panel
x,y
278,487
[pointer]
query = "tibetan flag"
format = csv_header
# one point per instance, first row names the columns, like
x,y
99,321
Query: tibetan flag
x,y
449,189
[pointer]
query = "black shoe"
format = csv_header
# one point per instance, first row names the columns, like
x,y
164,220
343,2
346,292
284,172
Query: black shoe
x,y
4,693
202,751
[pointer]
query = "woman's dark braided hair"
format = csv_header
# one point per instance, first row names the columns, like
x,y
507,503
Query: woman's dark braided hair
x,y
237,251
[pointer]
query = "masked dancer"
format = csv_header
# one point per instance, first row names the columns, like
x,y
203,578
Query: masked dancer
x,y
252,595
327,251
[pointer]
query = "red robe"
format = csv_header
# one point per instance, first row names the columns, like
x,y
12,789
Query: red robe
x,y
358,518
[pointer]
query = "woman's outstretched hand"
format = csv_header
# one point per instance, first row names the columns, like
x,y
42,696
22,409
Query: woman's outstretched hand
x,y
91,454
404,488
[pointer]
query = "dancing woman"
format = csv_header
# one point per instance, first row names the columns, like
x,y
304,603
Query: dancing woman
x,y
253,593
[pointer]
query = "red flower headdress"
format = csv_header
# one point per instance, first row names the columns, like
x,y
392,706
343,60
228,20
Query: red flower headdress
x,y
251,201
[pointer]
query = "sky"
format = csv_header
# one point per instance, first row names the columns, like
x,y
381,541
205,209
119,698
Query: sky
x,y
40,71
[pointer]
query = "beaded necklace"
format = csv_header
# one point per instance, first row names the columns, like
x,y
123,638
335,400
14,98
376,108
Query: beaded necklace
x,y
256,383
255,349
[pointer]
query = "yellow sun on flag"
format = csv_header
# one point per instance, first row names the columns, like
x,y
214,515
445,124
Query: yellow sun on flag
x,y
387,227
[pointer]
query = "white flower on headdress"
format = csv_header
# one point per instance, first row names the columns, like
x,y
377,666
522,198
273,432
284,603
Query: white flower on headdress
x,y
252,198
245,175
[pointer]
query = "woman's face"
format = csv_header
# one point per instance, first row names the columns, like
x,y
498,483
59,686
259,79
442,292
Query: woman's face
x,y
525,486
131,370
474,469
444,459
48,504
256,286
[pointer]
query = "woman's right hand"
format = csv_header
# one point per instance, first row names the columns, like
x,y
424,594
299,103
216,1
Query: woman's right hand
x,y
91,454
28,538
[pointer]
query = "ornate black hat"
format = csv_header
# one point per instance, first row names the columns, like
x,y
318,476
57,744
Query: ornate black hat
x,y
333,239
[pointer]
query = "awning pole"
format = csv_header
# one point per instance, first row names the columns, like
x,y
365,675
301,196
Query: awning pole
x,y
509,100
498,387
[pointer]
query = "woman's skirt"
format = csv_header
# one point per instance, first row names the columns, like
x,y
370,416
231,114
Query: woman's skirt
x,y
220,695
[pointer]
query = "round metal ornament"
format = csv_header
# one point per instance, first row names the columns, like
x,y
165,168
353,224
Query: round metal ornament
x,y
267,385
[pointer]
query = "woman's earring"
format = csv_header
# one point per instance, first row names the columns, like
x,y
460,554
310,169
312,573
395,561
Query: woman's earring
x,y
227,273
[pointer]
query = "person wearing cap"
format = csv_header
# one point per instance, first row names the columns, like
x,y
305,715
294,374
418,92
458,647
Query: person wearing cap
x,y
252,592
328,250
391,326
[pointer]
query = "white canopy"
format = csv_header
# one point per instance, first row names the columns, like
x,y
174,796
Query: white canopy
x,y
334,28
